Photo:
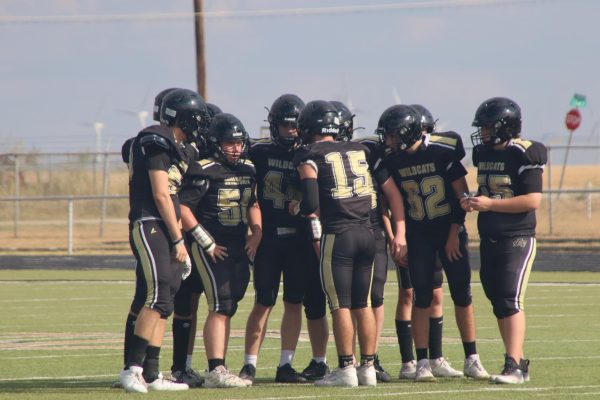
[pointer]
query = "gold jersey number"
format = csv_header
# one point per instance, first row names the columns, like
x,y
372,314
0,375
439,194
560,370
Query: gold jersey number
x,y
233,205
424,198
361,185
273,190
495,186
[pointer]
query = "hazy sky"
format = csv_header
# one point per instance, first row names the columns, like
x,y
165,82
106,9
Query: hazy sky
x,y
58,75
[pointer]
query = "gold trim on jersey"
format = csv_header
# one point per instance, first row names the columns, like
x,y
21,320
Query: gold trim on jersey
x,y
524,144
146,260
206,162
523,284
443,140
327,272
208,282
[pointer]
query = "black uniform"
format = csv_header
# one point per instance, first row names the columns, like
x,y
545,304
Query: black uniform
x,y
219,195
508,243
345,202
286,246
424,179
157,281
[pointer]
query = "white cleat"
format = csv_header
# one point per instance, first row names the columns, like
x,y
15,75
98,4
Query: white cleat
x,y
344,377
161,384
366,375
408,370
441,368
474,369
220,377
423,373
132,380
512,373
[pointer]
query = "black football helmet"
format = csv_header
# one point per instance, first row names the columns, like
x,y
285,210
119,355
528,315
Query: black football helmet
x,y
500,114
318,117
187,110
346,121
225,127
213,109
285,111
402,121
427,121
158,102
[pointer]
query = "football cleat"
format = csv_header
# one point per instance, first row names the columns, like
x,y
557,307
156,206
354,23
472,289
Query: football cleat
x,y
382,375
512,373
132,380
315,370
367,375
220,377
248,373
423,372
287,374
408,370
342,377
441,368
190,377
474,369
164,385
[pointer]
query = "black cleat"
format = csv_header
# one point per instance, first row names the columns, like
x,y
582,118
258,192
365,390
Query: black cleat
x,y
315,371
380,373
287,374
248,373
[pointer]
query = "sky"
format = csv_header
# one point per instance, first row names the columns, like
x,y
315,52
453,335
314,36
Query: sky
x,y
83,64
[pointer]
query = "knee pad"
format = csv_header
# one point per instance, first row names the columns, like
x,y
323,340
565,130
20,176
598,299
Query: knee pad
x,y
504,308
136,306
461,294
376,299
423,298
266,299
315,309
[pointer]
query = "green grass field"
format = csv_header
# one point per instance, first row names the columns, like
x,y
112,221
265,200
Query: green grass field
x,y
61,338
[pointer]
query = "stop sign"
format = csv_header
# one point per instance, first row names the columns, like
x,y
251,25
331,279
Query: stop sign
x,y
573,119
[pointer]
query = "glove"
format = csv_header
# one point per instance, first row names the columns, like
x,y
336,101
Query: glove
x,y
186,268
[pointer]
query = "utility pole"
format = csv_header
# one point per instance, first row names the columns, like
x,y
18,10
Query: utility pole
x,y
200,60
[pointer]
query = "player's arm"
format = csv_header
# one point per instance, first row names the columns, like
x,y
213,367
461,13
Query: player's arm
x,y
514,205
396,205
452,247
309,205
255,225
159,180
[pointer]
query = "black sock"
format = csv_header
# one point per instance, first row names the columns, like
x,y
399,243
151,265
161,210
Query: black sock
x,y
421,354
137,351
181,338
151,369
405,340
129,328
470,348
367,359
215,362
344,361
436,326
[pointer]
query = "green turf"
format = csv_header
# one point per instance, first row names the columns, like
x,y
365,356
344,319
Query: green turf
x,y
61,338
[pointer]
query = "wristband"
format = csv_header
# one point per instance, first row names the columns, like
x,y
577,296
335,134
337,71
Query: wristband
x,y
203,238
315,228
176,242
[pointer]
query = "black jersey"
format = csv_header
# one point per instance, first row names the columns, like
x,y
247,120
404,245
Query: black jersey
x,y
345,184
154,148
277,184
376,154
425,182
219,195
503,174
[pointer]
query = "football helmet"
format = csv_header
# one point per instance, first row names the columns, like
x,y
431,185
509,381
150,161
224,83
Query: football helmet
x,y
213,109
346,121
285,111
226,127
186,110
500,114
318,117
427,121
158,102
402,121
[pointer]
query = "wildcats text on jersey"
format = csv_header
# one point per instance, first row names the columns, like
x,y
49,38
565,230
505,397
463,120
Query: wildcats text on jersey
x,y
491,166
281,164
420,169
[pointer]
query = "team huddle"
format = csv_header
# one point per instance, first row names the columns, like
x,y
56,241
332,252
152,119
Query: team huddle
x,y
322,211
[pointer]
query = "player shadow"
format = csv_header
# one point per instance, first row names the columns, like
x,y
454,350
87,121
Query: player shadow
x,y
47,385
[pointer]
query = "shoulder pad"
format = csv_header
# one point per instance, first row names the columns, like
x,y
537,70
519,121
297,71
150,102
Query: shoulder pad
x,y
151,140
260,141
247,162
205,163
126,150
536,153
450,140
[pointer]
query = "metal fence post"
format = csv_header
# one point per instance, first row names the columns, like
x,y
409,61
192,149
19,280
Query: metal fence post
x,y
549,165
104,194
17,215
588,199
70,227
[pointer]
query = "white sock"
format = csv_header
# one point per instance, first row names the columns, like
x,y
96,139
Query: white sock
x,y
250,359
188,361
320,359
286,357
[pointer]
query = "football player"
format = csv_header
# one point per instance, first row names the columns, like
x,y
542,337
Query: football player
x,y
346,121
157,162
218,207
509,175
382,229
336,182
427,169
286,249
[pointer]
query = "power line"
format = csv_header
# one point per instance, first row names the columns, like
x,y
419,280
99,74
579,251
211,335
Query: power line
x,y
282,12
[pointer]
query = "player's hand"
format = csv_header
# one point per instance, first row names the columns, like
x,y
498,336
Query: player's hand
x,y
218,253
480,203
186,268
317,247
293,207
180,253
452,247
465,204
398,249
252,242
